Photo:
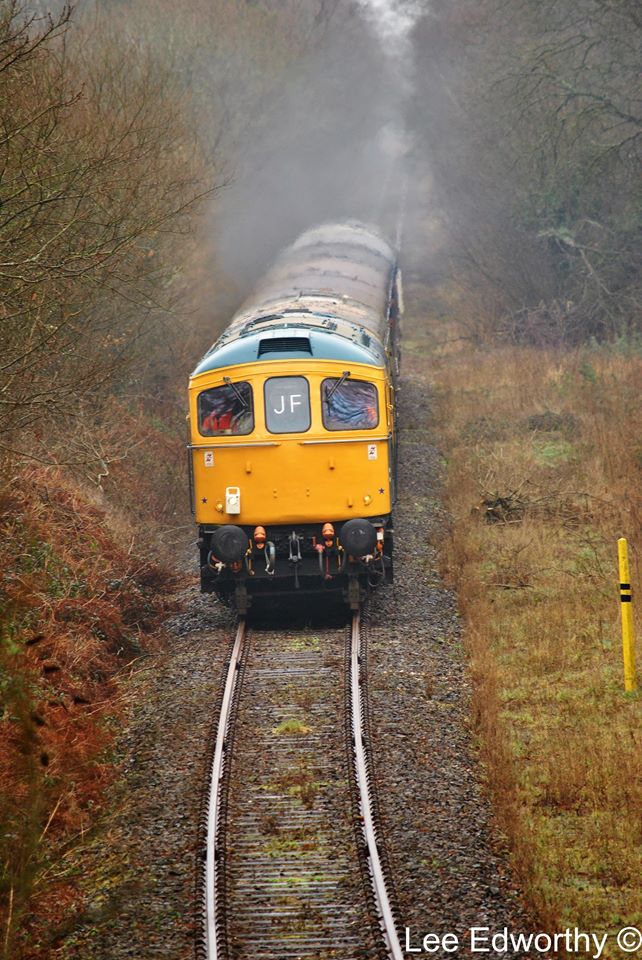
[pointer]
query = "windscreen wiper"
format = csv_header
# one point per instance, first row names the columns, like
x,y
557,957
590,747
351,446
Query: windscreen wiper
x,y
339,383
236,390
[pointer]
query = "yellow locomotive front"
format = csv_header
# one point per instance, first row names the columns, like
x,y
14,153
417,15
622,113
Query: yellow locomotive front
x,y
292,452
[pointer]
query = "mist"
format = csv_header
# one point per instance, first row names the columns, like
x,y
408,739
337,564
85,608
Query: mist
x,y
393,22
332,142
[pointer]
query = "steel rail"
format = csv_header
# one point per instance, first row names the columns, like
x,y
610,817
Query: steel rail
x,y
212,894
363,776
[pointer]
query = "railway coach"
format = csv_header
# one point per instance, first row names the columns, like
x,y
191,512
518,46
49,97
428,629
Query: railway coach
x,y
292,453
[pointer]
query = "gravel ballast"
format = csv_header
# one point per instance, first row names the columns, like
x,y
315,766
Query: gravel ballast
x,y
449,874
143,865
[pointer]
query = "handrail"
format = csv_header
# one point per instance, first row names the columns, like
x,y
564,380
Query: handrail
x,y
223,446
304,443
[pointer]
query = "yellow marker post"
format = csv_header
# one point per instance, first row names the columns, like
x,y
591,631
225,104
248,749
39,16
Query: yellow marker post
x,y
628,639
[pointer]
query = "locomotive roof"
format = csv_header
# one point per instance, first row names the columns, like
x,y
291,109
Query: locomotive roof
x,y
326,297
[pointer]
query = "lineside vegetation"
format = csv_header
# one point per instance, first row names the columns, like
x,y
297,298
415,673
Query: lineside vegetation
x,y
533,129
542,476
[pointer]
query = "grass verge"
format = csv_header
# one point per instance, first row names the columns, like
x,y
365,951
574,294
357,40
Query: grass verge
x,y
544,472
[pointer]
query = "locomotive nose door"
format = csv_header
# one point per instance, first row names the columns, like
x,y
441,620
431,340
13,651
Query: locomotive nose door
x,y
287,404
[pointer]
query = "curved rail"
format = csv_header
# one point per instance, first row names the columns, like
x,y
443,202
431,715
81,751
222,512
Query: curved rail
x,y
363,777
212,893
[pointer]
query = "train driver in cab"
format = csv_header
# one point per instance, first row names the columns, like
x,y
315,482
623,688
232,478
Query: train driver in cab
x,y
226,410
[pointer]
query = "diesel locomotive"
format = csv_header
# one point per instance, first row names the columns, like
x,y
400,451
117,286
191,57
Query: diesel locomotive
x,y
292,452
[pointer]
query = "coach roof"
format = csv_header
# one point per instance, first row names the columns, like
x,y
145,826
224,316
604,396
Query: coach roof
x,y
327,297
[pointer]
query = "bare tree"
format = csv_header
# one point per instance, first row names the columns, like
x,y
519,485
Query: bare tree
x,y
95,167
538,114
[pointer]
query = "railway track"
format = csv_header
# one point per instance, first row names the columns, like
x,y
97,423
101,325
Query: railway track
x,y
293,863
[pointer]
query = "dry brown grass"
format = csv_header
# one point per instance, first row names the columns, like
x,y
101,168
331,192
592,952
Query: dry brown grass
x,y
544,473
78,606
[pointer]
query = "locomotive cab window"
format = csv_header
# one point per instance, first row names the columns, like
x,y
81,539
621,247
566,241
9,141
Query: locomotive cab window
x,y
349,404
226,410
287,404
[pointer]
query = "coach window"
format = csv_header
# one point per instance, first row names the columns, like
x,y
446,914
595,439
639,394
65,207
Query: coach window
x,y
349,404
287,405
226,410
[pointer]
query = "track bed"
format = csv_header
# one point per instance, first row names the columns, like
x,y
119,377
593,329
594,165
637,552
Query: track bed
x,y
294,886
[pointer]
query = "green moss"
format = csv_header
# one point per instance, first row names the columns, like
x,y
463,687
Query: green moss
x,y
292,726
303,643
